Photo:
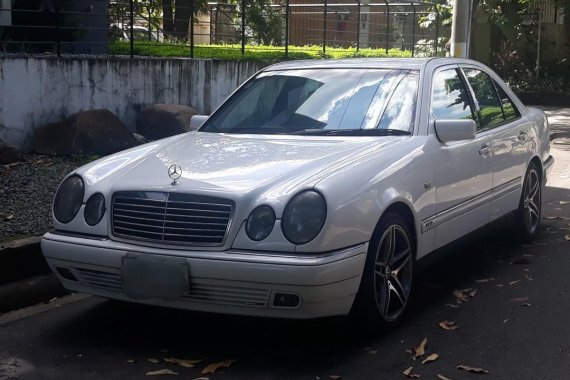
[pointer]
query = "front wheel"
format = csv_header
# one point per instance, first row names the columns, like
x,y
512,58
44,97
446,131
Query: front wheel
x,y
530,206
386,283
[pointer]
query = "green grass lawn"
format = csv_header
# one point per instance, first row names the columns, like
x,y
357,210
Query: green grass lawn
x,y
157,49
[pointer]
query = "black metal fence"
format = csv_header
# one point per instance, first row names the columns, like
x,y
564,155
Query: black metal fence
x,y
224,28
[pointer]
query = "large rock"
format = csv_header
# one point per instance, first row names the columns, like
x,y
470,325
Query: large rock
x,y
164,120
8,155
97,132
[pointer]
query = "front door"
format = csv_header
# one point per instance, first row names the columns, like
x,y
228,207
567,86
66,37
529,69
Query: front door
x,y
463,169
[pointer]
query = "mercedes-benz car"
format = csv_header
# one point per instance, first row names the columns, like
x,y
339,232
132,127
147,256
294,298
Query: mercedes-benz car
x,y
312,191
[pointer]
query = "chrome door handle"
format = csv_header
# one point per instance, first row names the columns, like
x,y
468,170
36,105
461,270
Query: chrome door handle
x,y
485,149
522,135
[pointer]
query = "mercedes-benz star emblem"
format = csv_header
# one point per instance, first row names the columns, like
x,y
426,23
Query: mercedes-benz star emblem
x,y
174,172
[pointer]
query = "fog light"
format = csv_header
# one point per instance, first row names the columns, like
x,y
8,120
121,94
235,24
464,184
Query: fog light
x,y
66,273
286,300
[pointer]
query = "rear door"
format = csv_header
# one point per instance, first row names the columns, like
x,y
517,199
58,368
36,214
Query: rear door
x,y
508,132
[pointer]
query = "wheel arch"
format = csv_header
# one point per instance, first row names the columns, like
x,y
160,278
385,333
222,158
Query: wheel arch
x,y
406,212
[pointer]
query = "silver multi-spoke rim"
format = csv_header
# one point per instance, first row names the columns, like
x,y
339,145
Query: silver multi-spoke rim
x,y
393,272
531,201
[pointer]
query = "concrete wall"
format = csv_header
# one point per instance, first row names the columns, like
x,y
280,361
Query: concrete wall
x,y
35,90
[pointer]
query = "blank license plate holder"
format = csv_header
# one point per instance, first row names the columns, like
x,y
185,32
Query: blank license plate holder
x,y
147,276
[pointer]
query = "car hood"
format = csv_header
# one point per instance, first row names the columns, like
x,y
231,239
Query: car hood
x,y
229,164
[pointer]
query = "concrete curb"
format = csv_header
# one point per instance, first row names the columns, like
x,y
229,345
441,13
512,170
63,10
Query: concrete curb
x,y
25,277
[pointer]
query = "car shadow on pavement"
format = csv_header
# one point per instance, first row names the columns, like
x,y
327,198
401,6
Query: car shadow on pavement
x,y
146,331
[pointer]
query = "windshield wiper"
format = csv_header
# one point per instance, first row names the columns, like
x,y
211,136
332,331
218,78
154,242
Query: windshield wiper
x,y
351,132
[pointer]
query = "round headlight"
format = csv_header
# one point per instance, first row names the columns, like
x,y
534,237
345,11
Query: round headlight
x,y
94,209
260,223
304,217
68,199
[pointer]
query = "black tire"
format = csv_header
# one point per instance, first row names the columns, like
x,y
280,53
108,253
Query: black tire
x,y
386,283
528,214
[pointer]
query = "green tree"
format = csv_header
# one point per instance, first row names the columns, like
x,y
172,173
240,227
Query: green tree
x,y
264,22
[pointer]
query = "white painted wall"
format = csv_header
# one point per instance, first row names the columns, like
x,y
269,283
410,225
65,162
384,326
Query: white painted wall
x,y
35,91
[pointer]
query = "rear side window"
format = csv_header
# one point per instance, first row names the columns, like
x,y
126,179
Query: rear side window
x,y
510,111
450,99
490,111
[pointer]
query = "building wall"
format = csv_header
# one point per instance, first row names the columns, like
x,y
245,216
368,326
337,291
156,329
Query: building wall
x,y
35,91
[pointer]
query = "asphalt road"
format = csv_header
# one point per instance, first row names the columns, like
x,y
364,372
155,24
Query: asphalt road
x,y
515,326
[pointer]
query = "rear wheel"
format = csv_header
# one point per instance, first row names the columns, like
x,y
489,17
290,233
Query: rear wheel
x,y
530,206
387,279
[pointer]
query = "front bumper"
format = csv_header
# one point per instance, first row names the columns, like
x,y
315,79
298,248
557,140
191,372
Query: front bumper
x,y
229,282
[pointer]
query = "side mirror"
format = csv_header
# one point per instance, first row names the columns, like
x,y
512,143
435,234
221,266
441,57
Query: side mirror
x,y
455,130
196,121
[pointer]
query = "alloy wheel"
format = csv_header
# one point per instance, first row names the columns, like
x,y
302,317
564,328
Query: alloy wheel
x,y
531,201
393,272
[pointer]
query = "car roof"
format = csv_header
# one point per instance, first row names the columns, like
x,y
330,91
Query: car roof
x,y
368,63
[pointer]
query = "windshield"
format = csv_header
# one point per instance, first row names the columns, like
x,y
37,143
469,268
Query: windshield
x,y
321,101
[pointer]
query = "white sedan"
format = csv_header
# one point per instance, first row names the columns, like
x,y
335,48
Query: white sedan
x,y
312,191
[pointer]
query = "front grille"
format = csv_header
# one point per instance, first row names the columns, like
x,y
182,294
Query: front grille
x,y
171,217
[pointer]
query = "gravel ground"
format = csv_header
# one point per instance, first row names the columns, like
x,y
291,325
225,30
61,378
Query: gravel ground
x,y
27,189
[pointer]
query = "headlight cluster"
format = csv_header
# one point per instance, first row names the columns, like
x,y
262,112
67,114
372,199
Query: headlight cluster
x,y
304,217
302,220
69,198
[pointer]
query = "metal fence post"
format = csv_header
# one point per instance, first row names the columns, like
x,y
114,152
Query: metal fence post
x,y
358,27
436,29
287,28
325,28
132,34
414,30
387,23
57,33
242,28
192,29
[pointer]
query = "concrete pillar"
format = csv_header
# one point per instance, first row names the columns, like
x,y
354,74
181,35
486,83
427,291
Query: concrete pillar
x,y
460,28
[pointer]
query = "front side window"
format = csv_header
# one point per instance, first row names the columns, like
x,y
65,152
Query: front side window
x,y
450,99
490,111
306,100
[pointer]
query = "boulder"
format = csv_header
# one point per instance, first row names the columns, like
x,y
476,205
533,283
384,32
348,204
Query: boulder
x,y
8,155
163,120
97,132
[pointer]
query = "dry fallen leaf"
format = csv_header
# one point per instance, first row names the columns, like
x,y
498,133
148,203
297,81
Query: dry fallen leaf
x,y
10,217
472,293
523,261
420,350
373,352
335,377
514,282
408,373
460,297
485,280
188,363
161,372
448,325
519,299
439,376
563,202
451,305
131,361
567,237
153,360
215,366
527,304
431,358
471,369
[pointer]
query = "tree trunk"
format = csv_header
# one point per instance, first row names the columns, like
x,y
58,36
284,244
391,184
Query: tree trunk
x,y
167,17
182,19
